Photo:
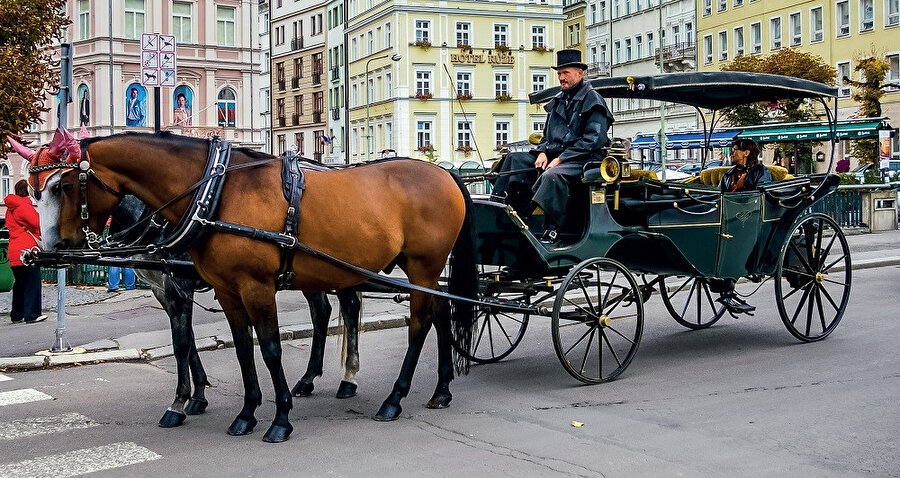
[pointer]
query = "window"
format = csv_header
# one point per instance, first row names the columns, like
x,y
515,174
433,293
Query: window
x,y
225,26
227,106
689,33
627,7
756,37
708,49
593,13
639,46
617,52
650,48
893,75
463,30
602,11
738,41
842,16
707,7
843,69
388,135
353,50
616,8
501,34
134,19
538,81
628,49
84,22
537,124
298,105
463,134
815,24
737,3
464,83
181,22
423,82
537,36
795,29
279,108
423,134
388,85
866,15
370,43
387,35
354,95
423,31
775,33
501,84
723,4
892,12
723,46
298,142
501,133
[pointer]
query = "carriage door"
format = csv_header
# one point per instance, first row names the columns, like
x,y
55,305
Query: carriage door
x,y
738,233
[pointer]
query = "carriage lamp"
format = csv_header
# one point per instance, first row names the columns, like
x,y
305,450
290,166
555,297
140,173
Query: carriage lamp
x,y
820,156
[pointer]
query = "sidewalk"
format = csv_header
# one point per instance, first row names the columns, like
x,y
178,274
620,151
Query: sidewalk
x,y
131,325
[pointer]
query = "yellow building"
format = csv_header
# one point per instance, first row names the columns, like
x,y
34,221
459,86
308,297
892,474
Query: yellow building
x,y
446,81
842,32
574,27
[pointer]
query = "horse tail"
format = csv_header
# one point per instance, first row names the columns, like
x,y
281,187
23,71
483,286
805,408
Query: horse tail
x,y
463,282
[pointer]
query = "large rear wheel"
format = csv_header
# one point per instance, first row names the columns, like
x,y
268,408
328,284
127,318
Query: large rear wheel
x,y
690,302
812,282
598,318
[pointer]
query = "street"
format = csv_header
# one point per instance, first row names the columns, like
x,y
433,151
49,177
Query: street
x,y
742,398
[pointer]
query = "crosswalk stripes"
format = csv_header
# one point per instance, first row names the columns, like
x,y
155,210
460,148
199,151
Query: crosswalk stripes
x,y
4,378
44,425
79,462
24,395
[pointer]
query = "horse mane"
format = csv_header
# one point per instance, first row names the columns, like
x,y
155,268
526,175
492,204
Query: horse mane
x,y
177,139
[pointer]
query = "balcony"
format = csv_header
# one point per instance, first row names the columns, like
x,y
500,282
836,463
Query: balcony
x,y
598,69
679,57
296,43
281,122
317,77
281,84
335,113
335,74
295,119
295,82
317,116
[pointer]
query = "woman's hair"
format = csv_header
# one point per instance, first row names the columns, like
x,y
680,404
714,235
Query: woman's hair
x,y
22,188
748,145
181,95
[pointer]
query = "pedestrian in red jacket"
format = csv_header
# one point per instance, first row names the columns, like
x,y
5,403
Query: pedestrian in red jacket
x,y
24,233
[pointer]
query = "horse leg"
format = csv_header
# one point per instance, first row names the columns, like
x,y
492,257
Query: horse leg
x,y
419,325
442,395
265,322
320,312
175,414
197,403
351,307
239,322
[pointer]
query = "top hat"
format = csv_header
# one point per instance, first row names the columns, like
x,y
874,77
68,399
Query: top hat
x,y
566,58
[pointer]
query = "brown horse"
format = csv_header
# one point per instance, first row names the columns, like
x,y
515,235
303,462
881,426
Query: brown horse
x,y
407,213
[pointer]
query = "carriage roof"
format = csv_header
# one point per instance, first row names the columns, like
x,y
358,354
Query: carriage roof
x,y
711,90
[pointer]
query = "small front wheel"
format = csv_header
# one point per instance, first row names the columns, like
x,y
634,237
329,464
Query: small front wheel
x,y
690,301
598,319
812,282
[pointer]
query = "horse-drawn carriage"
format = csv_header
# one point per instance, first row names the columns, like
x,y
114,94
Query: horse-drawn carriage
x,y
630,235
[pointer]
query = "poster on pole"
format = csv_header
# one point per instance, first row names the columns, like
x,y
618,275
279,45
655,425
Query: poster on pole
x,y
158,60
884,148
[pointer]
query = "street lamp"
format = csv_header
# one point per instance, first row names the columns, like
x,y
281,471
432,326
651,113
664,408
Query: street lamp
x,y
394,57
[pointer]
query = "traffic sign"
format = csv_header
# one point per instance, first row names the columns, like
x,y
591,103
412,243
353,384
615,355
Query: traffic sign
x,y
158,60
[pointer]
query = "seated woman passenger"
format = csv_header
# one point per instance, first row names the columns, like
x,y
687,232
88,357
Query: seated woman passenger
x,y
747,173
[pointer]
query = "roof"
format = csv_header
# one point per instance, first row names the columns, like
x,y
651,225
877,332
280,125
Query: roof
x,y
712,90
686,140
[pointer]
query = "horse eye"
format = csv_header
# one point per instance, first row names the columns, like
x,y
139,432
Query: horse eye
x,y
54,190
68,188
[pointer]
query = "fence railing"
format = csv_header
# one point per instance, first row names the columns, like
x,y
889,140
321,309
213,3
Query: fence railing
x,y
845,206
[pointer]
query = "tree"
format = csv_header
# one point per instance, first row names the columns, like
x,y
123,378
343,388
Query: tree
x,y
787,62
28,68
868,94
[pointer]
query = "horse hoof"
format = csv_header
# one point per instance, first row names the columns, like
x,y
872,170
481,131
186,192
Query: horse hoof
x,y
346,390
171,419
241,427
196,406
278,433
302,389
388,413
440,401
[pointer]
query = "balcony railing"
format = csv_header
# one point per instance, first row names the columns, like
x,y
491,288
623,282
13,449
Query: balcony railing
x,y
335,113
281,84
295,119
296,43
678,52
295,82
281,121
598,68
317,77
335,73
317,116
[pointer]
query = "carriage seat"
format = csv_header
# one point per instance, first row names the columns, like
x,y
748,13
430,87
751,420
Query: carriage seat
x,y
713,176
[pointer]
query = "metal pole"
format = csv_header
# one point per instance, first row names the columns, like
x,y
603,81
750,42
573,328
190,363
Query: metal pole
x,y
156,115
111,81
65,91
662,104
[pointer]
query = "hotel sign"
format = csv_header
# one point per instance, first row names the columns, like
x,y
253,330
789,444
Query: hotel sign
x,y
501,59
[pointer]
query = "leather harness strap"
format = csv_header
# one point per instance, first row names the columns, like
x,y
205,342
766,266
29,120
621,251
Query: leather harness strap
x,y
292,183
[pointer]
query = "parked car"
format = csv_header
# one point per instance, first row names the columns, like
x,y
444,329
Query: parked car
x,y
690,168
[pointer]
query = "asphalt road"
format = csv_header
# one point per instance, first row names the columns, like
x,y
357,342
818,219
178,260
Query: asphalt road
x,y
742,398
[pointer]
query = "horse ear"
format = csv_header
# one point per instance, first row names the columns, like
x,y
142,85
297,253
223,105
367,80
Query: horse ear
x,y
64,141
83,133
24,151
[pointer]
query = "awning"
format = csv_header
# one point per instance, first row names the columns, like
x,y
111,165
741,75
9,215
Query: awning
x,y
813,131
686,140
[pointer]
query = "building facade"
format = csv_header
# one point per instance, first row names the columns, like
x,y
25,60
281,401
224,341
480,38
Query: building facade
x,y
216,83
336,63
574,26
447,81
265,78
624,38
298,77
841,32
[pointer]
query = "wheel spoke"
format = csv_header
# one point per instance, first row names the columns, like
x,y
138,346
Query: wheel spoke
x,y
608,291
620,334
586,312
587,297
800,305
818,249
799,254
832,281
839,259
799,273
802,287
481,332
687,303
590,330
681,288
827,249
587,350
830,299
611,349
809,308
709,300
503,329
821,311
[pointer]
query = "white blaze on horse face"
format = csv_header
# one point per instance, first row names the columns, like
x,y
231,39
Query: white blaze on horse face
x,y
48,210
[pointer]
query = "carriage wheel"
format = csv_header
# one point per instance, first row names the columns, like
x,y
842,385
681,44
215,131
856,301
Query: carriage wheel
x,y
598,317
499,332
690,302
811,291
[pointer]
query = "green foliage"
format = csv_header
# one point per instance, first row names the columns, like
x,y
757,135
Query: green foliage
x,y
872,176
868,94
865,150
787,62
27,65
847,178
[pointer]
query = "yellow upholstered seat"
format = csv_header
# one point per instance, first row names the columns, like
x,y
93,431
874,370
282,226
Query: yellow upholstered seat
x,y
779,173
643,173
713,176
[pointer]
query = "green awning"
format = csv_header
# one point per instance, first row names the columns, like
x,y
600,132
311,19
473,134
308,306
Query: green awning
x,y
813,131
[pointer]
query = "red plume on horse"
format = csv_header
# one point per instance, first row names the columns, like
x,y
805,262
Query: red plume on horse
x,y
404,213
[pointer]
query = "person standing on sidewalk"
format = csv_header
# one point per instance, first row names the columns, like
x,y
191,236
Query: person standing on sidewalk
x,y
24,226
114,274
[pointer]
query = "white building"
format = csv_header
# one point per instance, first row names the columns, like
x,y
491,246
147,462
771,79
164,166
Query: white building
x,y
265,77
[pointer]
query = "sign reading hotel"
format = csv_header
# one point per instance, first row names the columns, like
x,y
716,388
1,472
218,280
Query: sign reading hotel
x,y
500,59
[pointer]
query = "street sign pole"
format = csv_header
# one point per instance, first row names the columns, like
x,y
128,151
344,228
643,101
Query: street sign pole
x,y
61,344
157,69
156,99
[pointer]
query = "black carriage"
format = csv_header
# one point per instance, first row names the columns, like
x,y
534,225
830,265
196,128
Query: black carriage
x,y
631,235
